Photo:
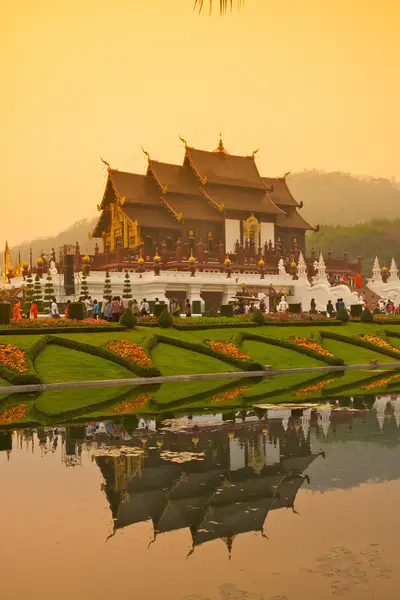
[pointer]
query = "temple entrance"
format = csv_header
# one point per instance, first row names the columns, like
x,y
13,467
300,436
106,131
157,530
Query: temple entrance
x,y
251,230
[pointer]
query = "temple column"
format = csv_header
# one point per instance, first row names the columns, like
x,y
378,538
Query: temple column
x,y
193,294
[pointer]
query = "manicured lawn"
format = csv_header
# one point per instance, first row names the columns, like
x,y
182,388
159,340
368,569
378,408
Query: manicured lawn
x,y
57,364
353,355
267,354
174,392
178,361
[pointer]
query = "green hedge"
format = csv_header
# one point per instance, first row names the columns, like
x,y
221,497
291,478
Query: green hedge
x,y
202,349
360,342
226,310
334,361
356,310
76,310
5,313
54,330
294,308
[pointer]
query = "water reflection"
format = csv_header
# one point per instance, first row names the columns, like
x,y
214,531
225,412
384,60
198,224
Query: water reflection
x,y
222,478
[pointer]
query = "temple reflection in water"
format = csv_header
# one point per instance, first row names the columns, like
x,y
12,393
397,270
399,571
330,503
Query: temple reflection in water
x,y
218,475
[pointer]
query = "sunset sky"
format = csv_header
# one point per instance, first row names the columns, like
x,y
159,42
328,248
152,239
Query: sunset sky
x,y
313,83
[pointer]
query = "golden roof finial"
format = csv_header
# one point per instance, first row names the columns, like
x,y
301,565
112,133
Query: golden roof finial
x,y
106,163
285,176
221,148
146,153
254,153
184,142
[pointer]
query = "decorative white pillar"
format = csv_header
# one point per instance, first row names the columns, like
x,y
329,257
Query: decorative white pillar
x,y
324,420
301,267
376,271
393,271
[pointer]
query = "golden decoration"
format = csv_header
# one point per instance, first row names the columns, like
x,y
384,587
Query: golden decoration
x,y
86,259
90,236
106,163
261,263
192,259
184,142
293,265
227,260
220,148
254,153
40,261
141,259
231,435
157,258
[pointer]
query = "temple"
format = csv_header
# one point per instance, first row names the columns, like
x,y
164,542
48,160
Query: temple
x,y
214,204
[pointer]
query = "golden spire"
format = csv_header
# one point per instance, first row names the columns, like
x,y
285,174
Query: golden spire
x,y
6,262
106,163
146,153
221,148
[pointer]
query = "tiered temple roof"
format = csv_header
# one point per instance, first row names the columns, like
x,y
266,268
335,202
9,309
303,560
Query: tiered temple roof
x,y
206,187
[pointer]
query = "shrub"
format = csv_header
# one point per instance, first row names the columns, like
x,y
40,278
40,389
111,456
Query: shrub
x,y
258,317
342,315
158,309
356,310
226,310
165,319
294,308
76,310
5,313
377,311
366,316
128,319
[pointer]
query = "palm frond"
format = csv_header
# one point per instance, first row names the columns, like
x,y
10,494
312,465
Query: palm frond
x,y
223,5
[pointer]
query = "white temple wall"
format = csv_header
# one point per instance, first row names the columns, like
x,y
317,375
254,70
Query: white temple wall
x,y
232,234
267,233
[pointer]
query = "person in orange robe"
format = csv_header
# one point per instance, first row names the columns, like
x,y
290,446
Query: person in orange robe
x,y
17,311
33,313
66,310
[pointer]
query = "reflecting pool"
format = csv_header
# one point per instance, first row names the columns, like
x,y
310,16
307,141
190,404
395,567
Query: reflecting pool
x,y
266,502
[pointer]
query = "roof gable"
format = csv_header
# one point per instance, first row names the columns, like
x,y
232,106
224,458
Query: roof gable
x,y
279,192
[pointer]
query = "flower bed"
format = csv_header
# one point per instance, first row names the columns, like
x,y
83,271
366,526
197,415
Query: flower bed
x,y
57,323
128,406
317,387
15,413
310,345
380,343
13,358
229,395
380,382
130,351
229,349
295,317
149,320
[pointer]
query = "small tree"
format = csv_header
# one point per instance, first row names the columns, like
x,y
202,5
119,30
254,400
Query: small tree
x,y
107,286
29,291
48,291
258,317
84,289
127,291
37,293
366,316
342,315
165,319
128,319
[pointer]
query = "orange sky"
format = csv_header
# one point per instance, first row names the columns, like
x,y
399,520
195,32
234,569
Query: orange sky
x,y
314,84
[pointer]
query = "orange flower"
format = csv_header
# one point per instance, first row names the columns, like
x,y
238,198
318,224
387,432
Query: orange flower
x,y
314,388
13,358
228,348
15,413
128,406
130,351
229,395
310,345
380,343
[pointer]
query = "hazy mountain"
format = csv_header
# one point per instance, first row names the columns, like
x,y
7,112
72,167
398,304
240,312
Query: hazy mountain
x,y
341,198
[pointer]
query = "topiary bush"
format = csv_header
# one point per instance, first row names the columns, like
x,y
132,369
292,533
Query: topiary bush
x,y
356,310
377,311
366,316
165,319
294,308
76,310
226,310
342,315
5,313
158,309
128,319
258,317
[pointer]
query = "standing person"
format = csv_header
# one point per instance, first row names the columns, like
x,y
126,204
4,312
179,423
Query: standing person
x,y
313,306
156,301
135,308
96,309
66,312
115,309
54,309
107,309
17,311
88,305
33,311
90,308
188,310
329,308
121,306
262,305
341,303
144,308
337,304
